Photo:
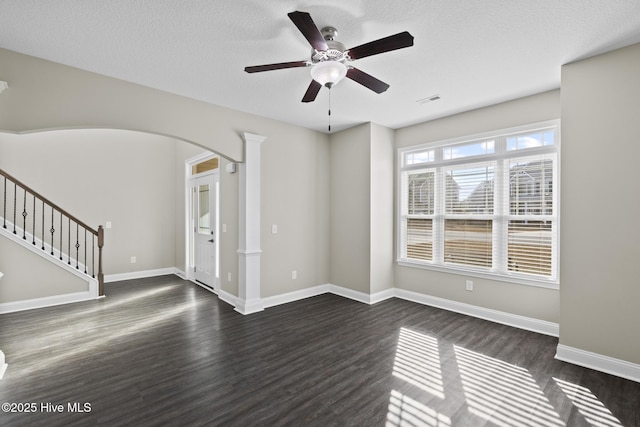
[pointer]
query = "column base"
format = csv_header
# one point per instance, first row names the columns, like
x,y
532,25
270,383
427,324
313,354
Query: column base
x,y
249,306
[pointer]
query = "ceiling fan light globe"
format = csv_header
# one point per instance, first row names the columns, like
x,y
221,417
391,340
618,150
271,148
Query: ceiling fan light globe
x,y
328,73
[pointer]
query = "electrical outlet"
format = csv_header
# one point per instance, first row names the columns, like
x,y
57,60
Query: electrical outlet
x,y
294,275
133,260
470,285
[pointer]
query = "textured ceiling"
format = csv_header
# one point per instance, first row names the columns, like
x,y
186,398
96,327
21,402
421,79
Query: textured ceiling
x,y
471,53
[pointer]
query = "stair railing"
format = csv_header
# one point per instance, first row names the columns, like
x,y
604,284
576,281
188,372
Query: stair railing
x,y
36,218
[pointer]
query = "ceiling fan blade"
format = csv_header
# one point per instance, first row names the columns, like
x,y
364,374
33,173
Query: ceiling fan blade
x,y
397,41
279,66
305,24
366,80
312,91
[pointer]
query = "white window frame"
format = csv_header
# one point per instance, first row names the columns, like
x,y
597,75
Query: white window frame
x,y
501,203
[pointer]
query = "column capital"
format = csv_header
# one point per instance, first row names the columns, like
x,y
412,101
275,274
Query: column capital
x,y
253,138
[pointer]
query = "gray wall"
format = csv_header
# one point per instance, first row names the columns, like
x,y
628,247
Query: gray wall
x,y
295,197
105,175
138,185
350,208
45,95
535,302
362,208
600,270
381,209
23,275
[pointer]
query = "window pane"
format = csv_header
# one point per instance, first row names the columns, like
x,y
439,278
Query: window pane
x,y
420,239
469,190
419,157
529,247
468,242
530,140
531,186
468,150
420,193
487,204
204,226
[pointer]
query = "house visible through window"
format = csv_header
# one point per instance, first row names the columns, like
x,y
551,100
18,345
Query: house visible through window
x,y
486,204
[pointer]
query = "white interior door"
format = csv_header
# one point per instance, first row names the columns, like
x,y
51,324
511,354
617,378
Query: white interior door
x,y
204,207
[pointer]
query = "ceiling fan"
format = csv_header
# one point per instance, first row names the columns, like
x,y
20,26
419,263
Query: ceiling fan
x,y
329,58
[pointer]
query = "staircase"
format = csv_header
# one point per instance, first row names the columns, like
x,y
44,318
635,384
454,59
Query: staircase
x,y
36,223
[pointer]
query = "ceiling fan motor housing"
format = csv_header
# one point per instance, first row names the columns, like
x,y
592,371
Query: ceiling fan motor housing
x,y
336,51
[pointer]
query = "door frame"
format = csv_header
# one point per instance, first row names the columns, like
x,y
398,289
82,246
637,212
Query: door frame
x,y
188,214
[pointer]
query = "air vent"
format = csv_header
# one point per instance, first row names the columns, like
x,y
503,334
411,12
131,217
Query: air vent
x,y
428,99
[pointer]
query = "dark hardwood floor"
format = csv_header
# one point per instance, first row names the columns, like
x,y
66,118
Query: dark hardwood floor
x,y
163,351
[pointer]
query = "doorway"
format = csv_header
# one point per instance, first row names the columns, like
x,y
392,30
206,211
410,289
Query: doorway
x,y
202,219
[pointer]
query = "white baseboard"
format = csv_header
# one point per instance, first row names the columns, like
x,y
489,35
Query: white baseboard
x,y
568,354
522,322
349,293
599,362
382,295
30,304
181,274
227,297
294,296
328,288
251,306
108,278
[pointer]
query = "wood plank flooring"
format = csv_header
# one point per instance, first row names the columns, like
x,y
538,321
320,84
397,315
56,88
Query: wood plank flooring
x,y
162,351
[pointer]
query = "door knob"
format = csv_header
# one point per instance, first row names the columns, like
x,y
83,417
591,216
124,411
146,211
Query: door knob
x,y
210,241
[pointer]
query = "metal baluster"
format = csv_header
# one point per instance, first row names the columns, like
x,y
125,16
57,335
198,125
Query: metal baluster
x,y
69,245
15,193
85,251
4,212
93,255
77,244
42,235
60,236
33,226
53,230
24,215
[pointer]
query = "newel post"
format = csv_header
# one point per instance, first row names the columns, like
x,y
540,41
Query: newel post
x,y
100,273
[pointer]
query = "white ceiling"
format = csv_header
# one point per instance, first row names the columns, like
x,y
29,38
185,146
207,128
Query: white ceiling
x,y
471,53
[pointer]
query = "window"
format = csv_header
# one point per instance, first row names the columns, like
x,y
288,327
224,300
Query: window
x,y
485,205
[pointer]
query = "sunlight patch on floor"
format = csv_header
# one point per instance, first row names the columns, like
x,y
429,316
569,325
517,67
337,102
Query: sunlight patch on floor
x,y
502,393
588,404
85,319
54,356
417,362
407,412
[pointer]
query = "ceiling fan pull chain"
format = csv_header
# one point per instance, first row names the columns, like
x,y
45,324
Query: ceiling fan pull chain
x,y
329,109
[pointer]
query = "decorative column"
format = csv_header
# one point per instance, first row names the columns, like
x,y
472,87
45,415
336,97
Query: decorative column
x,y
249,251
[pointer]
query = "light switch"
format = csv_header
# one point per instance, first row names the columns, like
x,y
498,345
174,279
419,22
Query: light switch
x,y
274,228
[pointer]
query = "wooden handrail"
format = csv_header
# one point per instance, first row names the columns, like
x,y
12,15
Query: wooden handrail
x,y
48,202
99,233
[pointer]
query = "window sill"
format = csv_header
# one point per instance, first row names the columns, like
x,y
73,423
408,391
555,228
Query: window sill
x,y
471,272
